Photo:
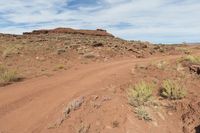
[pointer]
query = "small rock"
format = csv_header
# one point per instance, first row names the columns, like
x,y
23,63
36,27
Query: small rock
x,y
96,104
40,58
95,97
60,51
108,127
161,116
106,98
115,124
97,44
74,105
186,130
155,123
195,69
90,55
84,128
170,113
74,46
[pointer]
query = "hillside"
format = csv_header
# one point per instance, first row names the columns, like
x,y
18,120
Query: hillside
x,y
88,81
44,51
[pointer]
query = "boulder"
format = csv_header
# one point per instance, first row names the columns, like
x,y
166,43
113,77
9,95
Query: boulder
x,y
195,69
97,44
60,51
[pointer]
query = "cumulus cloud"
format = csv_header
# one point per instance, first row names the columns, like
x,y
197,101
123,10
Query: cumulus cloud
x,y
167,21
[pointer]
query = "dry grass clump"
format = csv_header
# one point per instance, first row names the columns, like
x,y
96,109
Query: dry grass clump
x,y
172,90
141,97
192,59
160,64
182,49
140,94
143,114
59,67
7,76
9,50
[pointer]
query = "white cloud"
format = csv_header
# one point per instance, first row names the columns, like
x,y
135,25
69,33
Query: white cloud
x,y
155,20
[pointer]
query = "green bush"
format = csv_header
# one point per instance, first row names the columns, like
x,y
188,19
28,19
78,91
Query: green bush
x,y
140,94
7,76
172,90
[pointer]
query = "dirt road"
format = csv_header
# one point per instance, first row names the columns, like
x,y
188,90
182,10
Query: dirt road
x,y
27,106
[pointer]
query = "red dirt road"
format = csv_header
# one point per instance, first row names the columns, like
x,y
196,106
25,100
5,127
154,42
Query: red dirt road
x,y
29,105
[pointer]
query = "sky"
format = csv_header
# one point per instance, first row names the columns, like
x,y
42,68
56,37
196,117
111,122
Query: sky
x,y
157,21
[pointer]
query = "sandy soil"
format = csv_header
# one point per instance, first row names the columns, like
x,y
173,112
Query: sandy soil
x,y
29,106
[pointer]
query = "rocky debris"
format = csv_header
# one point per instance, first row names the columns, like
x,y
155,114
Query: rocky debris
x,y
134,50
74,46
84,128
8,35
60,51
98,32
97,101
97,44
115,124
73,105
82,42
90,55
71,47
195,69
106,98
57,123
159,48
101,30
191,118
40,58
197,128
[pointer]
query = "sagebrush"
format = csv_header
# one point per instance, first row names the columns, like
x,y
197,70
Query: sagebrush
x,y
140,94
173,90
192,59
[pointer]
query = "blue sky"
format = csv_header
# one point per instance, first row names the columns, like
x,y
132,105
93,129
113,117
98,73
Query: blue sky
x,y
158,21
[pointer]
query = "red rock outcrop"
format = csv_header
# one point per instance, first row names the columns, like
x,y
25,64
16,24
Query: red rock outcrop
x,y
97,32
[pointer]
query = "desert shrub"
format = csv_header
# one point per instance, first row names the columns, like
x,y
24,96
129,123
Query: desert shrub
x,y
185,50
9,51
60,66
160,65
7,76
143,114
140,94
172,90
192,59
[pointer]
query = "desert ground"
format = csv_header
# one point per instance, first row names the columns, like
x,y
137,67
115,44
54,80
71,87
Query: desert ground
x,y
89,81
